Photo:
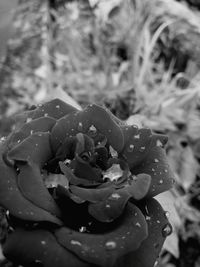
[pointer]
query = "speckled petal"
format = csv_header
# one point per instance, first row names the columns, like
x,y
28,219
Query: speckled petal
x,y
43,124
38,247
112,207
138,143
35,148
73,179
158,229
31,185
93,121
12,199
104,249
156,165
92,194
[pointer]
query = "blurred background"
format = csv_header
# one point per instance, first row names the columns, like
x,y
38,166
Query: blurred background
x,y
138,58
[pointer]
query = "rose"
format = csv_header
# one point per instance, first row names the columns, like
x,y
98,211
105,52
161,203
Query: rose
x,y
79,188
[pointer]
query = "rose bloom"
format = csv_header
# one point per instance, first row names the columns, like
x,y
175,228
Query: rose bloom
x,y
78,188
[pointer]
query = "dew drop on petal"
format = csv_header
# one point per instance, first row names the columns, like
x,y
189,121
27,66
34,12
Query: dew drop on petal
x,y
167,230
45,114
58,106
148,218
156,160
155,264
43,242
28,119
142,149
80,126
137,136
110,245
115,196
138,224
82,229
159,143
75,242
92,131
130,148
166,214
38,261
160,181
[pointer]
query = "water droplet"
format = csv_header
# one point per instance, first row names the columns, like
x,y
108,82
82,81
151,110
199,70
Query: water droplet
x,y
155,264
43,242
28,119
160,181
75,242
82,229
113,152
110,245
58,106
107,206
167,230
115,196
80,126
158,221
45,114
31,132
130,148
92,131
166,214
148,218
138,224
165,170
3,138
159,143
156,160
142,149
146,209
137,136
38,261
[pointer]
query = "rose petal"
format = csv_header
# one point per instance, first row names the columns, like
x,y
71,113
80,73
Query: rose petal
x,y
43,124
93,121
73,179
92,194
158,228
156,165
112,207
38,246
84,170
35,148
31,185
104,249
138,143
63,192
139,187
12,199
